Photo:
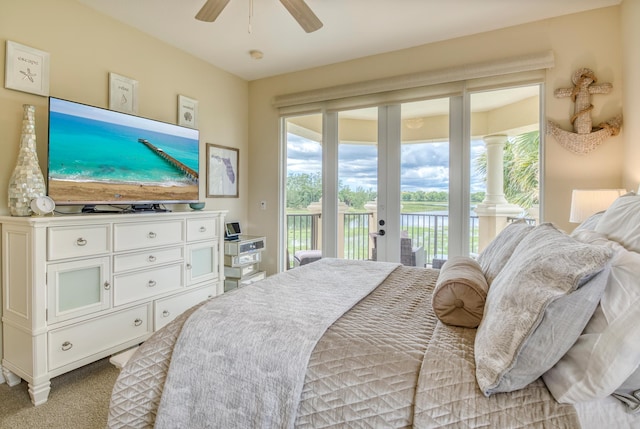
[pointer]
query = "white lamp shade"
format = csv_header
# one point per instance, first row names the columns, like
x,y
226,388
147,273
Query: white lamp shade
x,y
585,202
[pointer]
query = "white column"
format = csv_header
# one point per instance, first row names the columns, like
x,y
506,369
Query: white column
x,y
495,169
494,211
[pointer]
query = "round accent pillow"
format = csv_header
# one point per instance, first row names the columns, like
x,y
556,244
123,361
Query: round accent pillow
x,y
460,292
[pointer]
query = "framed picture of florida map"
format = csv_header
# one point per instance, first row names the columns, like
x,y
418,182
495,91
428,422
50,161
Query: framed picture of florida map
x,y
222,171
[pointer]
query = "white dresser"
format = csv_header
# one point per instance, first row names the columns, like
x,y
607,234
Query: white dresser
x,y
78,288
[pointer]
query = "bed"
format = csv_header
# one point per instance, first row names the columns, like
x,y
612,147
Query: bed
x,y
343,343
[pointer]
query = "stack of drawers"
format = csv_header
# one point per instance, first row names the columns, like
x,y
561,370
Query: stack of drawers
x,y
242,261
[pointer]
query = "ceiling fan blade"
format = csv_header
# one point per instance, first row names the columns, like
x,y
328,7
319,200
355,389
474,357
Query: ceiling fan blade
x,y
211,10
302,13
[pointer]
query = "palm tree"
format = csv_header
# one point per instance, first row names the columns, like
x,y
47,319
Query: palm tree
x,y
521,169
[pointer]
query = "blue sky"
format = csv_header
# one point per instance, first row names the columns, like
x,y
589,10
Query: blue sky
x,y
105,115
425,166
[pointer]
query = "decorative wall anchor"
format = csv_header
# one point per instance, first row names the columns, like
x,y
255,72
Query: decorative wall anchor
x,y
584,137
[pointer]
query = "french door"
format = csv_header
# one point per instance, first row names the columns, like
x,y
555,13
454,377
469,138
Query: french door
x,y
394,182
371,178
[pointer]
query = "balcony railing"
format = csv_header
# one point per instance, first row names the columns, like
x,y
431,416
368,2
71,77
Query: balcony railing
x,y
431,231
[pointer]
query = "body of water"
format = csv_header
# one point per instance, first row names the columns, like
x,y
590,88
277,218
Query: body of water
x,y
83,149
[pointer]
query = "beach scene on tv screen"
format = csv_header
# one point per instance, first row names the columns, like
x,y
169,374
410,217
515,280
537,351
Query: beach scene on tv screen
x,y
98,155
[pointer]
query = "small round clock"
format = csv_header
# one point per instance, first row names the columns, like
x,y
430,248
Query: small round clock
x,y
42,205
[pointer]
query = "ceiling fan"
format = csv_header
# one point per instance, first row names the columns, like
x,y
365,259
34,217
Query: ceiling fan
x,y
300,11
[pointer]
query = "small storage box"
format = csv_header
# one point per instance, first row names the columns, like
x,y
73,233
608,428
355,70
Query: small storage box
x,y
240,272
230,284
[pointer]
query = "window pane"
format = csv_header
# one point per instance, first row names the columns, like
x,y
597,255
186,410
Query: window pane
x,y
303,189
425,179
505,158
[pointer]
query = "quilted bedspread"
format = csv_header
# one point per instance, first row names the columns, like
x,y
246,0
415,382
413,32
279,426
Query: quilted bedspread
x,y
387,363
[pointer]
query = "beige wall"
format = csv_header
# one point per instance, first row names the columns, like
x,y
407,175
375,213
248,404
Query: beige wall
x,y
629,13
84,47
590,39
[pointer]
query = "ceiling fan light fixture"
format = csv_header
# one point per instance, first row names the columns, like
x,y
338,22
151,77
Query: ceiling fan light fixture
x,y
300,11
256,54
414,123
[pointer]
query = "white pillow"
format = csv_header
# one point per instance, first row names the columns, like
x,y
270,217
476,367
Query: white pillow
x,y
589,224
608,351
537,307
621,222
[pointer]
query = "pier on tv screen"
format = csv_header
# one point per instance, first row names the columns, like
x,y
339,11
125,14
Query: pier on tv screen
x,y
99,156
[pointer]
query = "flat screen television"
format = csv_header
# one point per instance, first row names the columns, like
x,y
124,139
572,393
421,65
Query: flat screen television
x,y
99,156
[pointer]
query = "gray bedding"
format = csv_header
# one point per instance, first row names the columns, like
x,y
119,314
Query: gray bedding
x,y
385,363
254,345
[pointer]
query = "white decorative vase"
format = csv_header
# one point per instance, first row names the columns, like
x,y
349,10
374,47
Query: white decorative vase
x,y
27,181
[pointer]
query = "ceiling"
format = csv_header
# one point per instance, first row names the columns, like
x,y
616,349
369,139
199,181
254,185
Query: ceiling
x,y
352,28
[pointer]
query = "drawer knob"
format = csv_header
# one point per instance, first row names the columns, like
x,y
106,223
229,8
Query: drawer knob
x,y
151,235
81,242
151,283
151,258
107,285
66,346
137,322
166,313
203,229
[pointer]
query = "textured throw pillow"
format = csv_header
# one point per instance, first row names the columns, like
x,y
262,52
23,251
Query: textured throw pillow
x,y
537,307
460,292
621,222
497,253
606,356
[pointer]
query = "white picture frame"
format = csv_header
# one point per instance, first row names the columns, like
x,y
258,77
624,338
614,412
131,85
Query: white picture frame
x,y
222,171
123,94
26,69
187,112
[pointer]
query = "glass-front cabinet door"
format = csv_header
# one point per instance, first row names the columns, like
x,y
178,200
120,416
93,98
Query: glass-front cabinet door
x,y
202,262
77,288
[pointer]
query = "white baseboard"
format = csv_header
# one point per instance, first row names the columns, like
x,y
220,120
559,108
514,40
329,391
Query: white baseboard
x,y
2,380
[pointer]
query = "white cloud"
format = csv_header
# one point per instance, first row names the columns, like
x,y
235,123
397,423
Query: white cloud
x,y
424,166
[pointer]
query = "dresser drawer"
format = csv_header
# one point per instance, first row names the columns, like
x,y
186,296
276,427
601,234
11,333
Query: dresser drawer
x,y
142,235
231,283
244,259
167,309
241,271
146,284
201,229
77,241
75,342
147,259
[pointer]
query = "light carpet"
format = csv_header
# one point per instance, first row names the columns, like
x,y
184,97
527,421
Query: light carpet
x,y
78,400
